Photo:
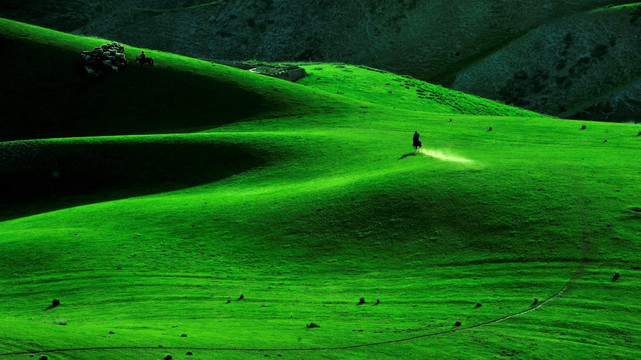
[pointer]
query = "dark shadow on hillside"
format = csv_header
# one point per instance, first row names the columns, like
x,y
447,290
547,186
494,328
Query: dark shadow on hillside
x,y
44,94
37,177
406,155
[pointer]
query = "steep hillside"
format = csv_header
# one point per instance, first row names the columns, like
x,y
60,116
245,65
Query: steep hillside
x,y
457,44
47,93
582,66
309,228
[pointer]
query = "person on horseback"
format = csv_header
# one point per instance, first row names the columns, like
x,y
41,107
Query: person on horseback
x,y
416,142
143,56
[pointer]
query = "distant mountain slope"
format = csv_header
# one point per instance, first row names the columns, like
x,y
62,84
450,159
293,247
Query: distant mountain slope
x,y
581,66
437,41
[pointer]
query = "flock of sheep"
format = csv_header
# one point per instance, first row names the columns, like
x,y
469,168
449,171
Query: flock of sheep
x,y
104,59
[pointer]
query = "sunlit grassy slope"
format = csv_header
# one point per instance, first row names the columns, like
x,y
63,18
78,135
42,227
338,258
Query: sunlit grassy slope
x,y
304,201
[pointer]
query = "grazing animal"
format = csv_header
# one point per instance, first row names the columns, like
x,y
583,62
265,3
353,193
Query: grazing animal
x,y
417,145
583,127
143,61
241,297
536,301
312,325
478,305
616,277
361,301
490,129
378,301
457,324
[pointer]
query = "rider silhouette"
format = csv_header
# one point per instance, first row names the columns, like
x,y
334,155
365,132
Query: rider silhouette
x,y
143,56
416,135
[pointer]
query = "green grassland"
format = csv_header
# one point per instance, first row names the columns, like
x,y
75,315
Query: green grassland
x,y
149,201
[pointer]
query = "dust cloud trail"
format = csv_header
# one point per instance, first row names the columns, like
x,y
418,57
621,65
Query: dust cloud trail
x,y
445,156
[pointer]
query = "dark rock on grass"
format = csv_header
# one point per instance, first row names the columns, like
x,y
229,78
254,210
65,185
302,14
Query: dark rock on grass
x,y
478,305
189,353
536,301
312,325
112,333
616,277
183,335
457,324
361,301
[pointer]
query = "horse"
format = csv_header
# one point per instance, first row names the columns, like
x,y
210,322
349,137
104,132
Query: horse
x,y
417,145
147,60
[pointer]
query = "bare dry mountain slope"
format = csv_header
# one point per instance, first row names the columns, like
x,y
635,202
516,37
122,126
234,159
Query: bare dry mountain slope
x,y
515,51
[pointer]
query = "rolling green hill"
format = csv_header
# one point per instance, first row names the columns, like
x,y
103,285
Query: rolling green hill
x,y
147,204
